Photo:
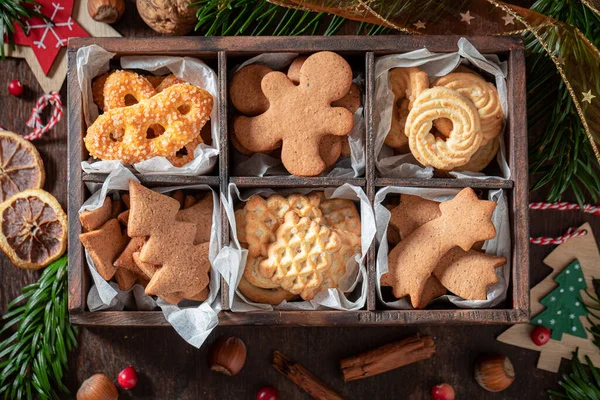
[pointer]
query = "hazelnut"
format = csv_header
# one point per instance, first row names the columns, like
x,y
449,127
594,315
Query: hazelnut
x,y
227,356
97,387
107,11
494,373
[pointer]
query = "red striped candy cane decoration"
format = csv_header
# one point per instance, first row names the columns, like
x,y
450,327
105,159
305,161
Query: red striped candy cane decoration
x,y
35,120
571,233
562,206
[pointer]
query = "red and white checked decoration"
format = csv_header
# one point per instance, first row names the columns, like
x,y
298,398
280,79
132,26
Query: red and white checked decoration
x,y
562,206
35,120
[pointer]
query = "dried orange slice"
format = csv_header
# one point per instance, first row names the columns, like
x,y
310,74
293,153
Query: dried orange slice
x,y
34,229
21,166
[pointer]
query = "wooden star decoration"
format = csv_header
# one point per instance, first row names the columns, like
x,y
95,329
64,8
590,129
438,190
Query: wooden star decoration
x,y
588,96
560,60
419,24
466,17
52,82
508,19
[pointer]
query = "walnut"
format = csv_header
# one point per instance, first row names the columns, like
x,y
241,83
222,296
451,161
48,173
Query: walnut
x,y
172,17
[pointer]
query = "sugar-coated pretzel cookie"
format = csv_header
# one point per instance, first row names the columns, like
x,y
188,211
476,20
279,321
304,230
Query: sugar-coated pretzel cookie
x,y
302,256
120,134
299,116
168,81
98,89
465,137
120,84
245,90
484,96
160,83
482,157
406,84
265,296
185,154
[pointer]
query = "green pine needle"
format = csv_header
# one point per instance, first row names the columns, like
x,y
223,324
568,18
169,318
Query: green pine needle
x,y
579,384
561,157
33,359
259,17
11,12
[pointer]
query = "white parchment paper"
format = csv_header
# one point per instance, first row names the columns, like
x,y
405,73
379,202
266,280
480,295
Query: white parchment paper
x,y
498,246
192,320
94,60
435,65
353,283
260,164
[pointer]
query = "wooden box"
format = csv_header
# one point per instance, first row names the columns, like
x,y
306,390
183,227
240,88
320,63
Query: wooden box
x,y
224,53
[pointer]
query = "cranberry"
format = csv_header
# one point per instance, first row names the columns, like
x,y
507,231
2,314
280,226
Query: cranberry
x,y
540,335
127,378
15,88
443,391
267,393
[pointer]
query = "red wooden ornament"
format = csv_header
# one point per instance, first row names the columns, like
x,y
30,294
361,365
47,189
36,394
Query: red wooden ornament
x,y
46,38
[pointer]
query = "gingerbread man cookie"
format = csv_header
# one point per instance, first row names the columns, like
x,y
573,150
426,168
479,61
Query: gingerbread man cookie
x,y
299,116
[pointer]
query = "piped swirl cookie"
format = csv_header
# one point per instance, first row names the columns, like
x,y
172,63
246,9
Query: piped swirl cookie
x,y
406,84
484,96
464,139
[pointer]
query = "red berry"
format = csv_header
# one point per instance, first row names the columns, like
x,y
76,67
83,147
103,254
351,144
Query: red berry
x,y
127,378
15,88
540,335
267,393
443,391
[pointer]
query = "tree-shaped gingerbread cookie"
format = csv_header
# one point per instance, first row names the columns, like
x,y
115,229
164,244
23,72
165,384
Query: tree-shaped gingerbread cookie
x,y
300,115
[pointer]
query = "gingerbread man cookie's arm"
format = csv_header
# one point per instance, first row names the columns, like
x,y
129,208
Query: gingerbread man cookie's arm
x,y
265,132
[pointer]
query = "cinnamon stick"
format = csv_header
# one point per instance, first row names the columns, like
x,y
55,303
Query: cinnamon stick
x,y
303,378
387,357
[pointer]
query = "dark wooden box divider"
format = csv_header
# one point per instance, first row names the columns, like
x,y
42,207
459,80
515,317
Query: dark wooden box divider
x,y
227,51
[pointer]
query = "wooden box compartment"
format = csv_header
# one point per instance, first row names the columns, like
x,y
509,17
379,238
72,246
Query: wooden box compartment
x,y
361,51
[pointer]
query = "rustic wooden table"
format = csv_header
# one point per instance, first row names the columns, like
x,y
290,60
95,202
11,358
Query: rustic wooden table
x,y
171,369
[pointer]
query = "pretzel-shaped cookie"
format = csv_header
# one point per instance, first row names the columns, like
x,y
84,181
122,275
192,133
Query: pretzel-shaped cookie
x,y
465,137
119,84
120,134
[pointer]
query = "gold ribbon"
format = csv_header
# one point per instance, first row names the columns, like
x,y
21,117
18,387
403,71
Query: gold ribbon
x,y
578,63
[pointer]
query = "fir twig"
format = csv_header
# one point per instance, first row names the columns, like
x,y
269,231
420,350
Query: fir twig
x,y
33,359
11,12
259,17
578,384
561,157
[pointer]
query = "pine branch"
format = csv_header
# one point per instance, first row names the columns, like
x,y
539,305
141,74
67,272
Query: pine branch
x,y
259,17
578,384
33,359
11,12
561,157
